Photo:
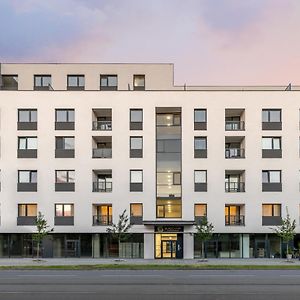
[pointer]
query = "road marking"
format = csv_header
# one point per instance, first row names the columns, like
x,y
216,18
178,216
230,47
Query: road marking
x,y
129,275
283,275
221,275
46,275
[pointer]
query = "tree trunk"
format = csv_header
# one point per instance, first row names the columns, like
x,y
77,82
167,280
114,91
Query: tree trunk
x,y
202,253
38,251
119,244
287,250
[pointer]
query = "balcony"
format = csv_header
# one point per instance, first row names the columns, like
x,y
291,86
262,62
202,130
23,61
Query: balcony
x,y
102,153
102,220
234,153
102,125
234,125
26,221
27,187
64,221
27,153
102,187
234,187
238,220
271,220
234,119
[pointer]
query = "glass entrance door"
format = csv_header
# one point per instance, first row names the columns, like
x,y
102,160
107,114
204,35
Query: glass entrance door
x,y
168,245
168,249
72,248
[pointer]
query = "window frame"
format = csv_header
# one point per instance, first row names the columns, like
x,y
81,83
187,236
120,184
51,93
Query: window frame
x,y
31,172
269,111
136,170
30,111
268,176
67,176
63,209
67,111
78,77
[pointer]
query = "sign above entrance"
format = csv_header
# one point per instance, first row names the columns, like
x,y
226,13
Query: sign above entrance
x,y
168,228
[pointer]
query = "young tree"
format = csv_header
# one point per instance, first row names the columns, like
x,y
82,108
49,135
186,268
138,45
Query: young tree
x,y
286,231
42,229
119,229
204,233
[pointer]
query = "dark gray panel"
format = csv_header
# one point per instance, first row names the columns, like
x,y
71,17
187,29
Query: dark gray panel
x,y
271,125
42,88
136,220
65,187
64,125
200,187
136,187
200,125
27,187
47,246
200,153
102,153
272,187
63,221
24,153
75,88
26,221
199,219
136,153
108,88
269,153
27,125
271,221
64,153
136,125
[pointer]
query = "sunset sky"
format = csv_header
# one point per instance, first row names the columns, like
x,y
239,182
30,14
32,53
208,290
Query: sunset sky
x,y
210,42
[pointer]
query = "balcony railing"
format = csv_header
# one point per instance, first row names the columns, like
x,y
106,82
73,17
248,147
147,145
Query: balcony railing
x,y
102,187
102,125
234,125
102,220
102,153
235,220
234,187
234,153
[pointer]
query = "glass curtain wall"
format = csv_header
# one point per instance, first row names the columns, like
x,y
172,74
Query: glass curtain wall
x,y
168,162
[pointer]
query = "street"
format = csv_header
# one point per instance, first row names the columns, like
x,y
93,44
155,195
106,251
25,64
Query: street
x,y
126,284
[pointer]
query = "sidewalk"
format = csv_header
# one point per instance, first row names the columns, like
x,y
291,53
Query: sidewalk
x,y
96,261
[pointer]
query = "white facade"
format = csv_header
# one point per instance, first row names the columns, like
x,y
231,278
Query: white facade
x,y
159,92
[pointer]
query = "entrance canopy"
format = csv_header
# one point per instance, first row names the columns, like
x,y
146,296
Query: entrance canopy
x,y
166,222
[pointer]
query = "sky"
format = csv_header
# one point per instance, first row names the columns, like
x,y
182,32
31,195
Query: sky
x,y
210,42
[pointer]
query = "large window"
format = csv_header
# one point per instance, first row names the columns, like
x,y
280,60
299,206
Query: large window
x,y
27,210
65,142
168,208
271,143
271,210
136,119
139,82
64,210
109,82
136,176
76,82
64,115
42,81
200,143
136,209
27,143
136,146
27,176
27,115
200,210
64,176
201,176
271,115
200,115
271,176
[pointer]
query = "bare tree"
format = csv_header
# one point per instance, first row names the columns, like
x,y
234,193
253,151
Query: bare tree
x,y
204,233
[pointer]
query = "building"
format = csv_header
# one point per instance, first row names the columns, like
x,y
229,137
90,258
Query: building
x,y
83,142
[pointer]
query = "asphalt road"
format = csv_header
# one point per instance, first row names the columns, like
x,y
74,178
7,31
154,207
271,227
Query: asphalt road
x,y
144,285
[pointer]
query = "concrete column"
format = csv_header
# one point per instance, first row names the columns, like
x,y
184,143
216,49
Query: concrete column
x,y
96,245
149,245
188,246
244,244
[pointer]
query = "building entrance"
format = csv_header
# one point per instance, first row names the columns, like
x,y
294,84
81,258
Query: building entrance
x,y
72,248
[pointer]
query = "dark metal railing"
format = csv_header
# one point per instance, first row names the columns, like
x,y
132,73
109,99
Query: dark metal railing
x,y
102,187
102,220
234,125
238,220
234,187
234,153
102,125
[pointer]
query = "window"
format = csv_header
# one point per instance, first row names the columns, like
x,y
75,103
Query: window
x,y
271,210
168,208
76,82
27,143
136,146
271,176
136,210
271,143
27,176
27,115
109,82
136,119
65,142
200,210
27,210
200,143
271,115
9,82
64,210
64,115
139,82
199,115
64,176
42,81
136,176
200,176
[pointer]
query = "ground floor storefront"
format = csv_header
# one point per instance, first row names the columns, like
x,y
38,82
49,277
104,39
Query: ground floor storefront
x,y
164,243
